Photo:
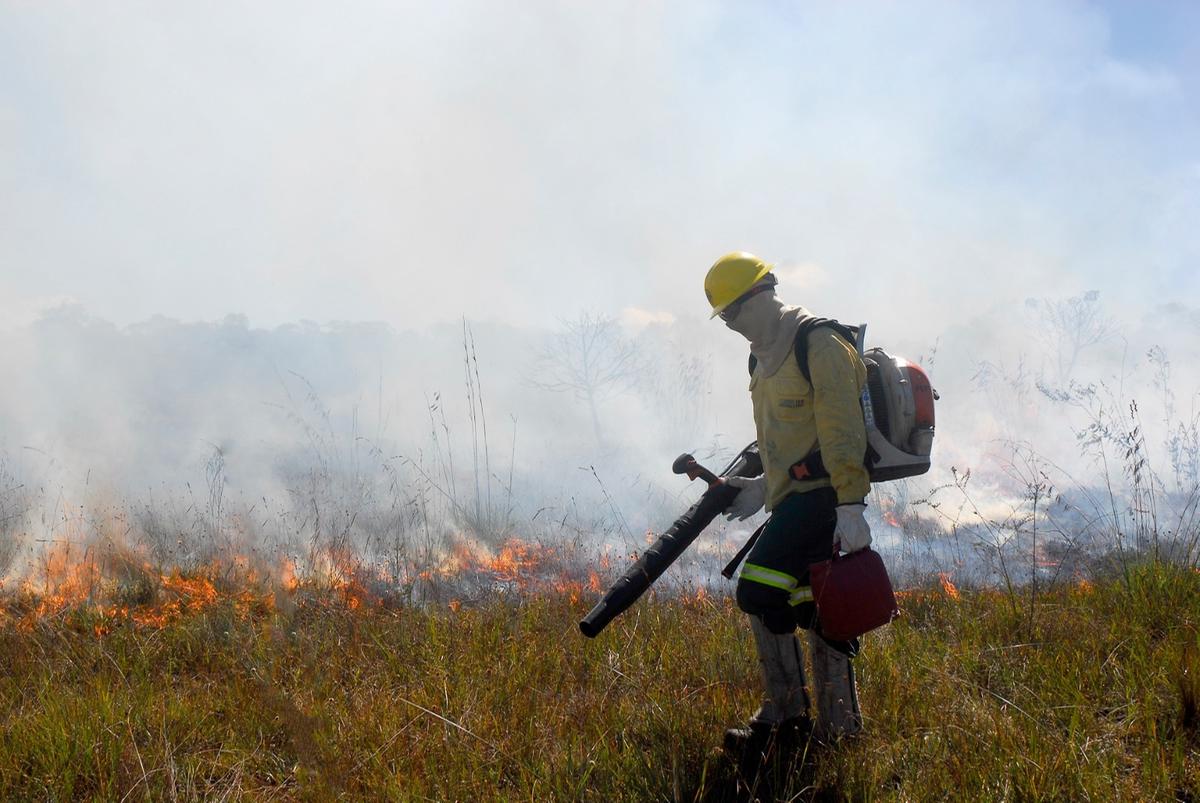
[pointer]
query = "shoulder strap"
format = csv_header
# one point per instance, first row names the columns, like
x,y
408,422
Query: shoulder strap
x,y
847,333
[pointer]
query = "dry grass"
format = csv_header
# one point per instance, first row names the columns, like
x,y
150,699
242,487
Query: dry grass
x,y
1093,698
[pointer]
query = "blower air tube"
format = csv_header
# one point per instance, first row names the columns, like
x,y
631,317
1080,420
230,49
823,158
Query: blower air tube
x,y
670,545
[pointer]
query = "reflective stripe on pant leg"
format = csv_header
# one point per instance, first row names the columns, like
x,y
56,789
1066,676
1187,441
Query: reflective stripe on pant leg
x,y
799,533
754,573
800,595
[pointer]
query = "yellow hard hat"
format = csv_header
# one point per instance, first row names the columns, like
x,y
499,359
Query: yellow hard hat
x,y
730,276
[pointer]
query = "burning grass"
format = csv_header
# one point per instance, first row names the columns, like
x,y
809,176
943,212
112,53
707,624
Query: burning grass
x,y
112,582
288,690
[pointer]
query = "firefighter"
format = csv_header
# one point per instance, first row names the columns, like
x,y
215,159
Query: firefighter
x,y
793,416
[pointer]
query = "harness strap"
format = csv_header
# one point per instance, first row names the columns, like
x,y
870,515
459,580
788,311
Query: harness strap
x,y
812,467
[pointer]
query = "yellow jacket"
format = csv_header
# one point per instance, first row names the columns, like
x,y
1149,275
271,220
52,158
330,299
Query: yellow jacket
x,y
793,417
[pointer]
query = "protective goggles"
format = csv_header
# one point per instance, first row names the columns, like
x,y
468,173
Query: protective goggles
x,y
735,306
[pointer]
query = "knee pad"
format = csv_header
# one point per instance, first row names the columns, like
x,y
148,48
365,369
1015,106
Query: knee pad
x,y
768,604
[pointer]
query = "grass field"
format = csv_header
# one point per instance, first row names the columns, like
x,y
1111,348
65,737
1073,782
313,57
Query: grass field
x,y
201,692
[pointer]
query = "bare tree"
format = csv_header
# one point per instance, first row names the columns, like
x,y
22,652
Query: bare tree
x,y
590,358
1068,327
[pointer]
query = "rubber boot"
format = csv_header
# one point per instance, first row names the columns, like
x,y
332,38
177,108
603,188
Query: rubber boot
x,y
782,719
838,715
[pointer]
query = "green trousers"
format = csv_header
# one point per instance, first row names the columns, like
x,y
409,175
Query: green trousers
x,y
774,583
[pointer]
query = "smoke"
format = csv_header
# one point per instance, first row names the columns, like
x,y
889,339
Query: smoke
x,y
217,195
289,163
325,427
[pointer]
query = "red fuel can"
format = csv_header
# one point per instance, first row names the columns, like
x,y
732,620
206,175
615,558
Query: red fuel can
x,y
853,594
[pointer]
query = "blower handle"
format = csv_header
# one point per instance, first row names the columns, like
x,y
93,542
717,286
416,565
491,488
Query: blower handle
x,y
686,464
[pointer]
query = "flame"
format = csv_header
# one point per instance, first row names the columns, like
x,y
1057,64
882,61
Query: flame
x,y
112,585
66,575
518,565
287,575
948,587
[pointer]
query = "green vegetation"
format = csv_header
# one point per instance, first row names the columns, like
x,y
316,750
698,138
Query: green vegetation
x,y
1089,694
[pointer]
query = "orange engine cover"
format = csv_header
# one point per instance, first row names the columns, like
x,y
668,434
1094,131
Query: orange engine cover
x,y
922,392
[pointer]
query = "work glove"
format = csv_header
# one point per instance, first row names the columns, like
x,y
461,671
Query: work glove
x,y
852,531
750,499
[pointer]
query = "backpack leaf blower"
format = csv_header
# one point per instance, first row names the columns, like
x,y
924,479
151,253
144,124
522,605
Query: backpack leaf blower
x,y
678,537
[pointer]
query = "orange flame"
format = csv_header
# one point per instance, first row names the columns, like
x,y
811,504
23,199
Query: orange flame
x,y
948,587
287,575
113,585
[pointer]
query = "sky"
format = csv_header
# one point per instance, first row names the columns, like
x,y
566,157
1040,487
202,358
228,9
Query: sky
x,y
415,163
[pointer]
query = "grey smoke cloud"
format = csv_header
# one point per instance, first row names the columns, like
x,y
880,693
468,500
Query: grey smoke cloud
x,y
925,167
412,163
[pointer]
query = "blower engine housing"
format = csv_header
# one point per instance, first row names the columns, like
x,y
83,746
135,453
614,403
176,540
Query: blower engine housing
x,y
898,409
